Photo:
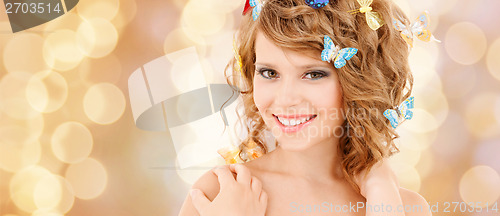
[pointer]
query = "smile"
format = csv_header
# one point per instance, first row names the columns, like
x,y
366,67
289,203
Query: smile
x,y
293,123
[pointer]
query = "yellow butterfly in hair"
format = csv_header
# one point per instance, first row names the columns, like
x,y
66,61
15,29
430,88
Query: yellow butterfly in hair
x,y
372,18
237,56
417,28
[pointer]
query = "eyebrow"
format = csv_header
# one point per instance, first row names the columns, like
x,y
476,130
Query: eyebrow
x,y
306,66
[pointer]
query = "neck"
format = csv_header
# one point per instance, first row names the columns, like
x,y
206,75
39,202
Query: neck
x,y
319,162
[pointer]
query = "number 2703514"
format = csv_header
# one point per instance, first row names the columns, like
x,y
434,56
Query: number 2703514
x,y
32,8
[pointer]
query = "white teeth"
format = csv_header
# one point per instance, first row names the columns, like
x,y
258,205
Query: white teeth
x,y
293,122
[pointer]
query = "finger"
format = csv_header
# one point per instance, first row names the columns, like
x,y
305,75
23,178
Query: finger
x,y
243,173
200,201
223,175
256,185
263,198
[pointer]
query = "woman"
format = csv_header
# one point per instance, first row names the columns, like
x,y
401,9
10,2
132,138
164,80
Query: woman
x,y
324,106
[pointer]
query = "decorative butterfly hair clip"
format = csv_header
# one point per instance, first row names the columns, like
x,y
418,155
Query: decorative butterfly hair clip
x,y
230,154
331,51
418,28
237,56
316,4
373,18
401,113
257,7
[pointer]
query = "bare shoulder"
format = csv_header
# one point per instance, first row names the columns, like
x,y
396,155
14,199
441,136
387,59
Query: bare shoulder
x,y
208,183
414,203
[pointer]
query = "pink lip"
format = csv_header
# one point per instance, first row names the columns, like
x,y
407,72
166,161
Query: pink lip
x,y
294,116
293,129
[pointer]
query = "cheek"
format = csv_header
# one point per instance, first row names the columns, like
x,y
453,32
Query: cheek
x,y
262,95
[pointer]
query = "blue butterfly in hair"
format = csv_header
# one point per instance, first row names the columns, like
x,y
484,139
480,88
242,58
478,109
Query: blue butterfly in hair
x,y
316,4
402,112
257,7
331,51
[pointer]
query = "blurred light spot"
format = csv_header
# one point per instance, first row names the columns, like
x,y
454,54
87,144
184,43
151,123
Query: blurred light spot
x,y
17,149
465,43
406,155
88,178
407,175
13,96
414,140
487,154
177,39
54,195
71,142
432,100
202,17
458,75
105,9
60,50
424,76
444,6
48,192
24,53
126,13
424,54
96,37
480,184
422,121
404,5
426,164
227,6
104,103
71,21
451,142
22,187
220,53
480,115
46,91
91,70
492,60
186,71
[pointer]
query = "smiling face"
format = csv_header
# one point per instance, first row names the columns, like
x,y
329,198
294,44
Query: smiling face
x,y
298,97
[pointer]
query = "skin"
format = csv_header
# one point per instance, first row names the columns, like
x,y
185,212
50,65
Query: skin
x,y
304,169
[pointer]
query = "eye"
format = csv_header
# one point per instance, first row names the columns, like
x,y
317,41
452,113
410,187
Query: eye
x,y
268,73
315,75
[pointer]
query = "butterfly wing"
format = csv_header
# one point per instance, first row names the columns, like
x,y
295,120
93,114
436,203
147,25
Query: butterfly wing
x,y
344,55
230,154
317,3
419,27
365,3
374,20
406,34
257,8
254,3
405,107
392,115
326,54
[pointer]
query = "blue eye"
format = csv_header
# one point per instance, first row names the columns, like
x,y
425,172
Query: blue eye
x,y
315,75
268,73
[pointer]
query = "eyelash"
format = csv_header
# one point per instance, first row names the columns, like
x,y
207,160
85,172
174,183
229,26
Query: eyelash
x,y
264,70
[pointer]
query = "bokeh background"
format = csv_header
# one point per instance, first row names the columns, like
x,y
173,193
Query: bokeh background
x,y
69,146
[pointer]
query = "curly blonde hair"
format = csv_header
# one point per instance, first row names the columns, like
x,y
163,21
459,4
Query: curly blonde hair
x,y
375,79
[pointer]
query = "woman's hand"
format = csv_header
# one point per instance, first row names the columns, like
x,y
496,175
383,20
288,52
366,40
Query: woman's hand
x,y
381,174
237,197
380,187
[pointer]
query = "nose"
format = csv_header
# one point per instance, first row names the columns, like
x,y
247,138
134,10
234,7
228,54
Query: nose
x,y
287,94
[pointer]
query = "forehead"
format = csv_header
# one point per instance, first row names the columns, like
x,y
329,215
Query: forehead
x,y
267,51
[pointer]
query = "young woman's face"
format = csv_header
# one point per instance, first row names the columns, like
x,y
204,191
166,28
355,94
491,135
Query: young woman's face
x,y
299,97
